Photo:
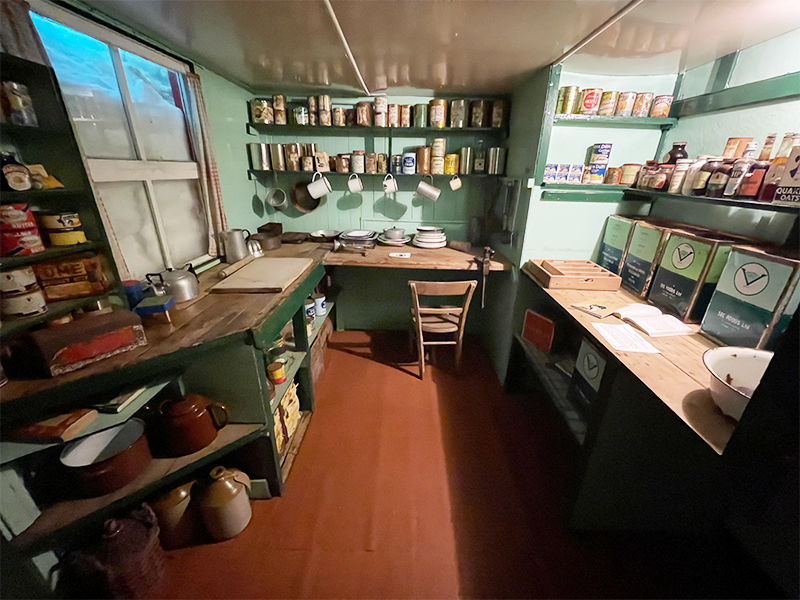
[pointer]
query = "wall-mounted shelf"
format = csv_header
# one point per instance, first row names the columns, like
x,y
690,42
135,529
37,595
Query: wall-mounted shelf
x,y
10,263
54,310
361,130
583,187
616,122
262,174
731,202
29,196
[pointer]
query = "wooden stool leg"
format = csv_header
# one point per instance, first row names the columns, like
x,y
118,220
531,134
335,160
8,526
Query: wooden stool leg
x,y
421,351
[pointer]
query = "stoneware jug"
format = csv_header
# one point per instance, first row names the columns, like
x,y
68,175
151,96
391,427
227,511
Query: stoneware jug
x,y
178,519
189,424
225,503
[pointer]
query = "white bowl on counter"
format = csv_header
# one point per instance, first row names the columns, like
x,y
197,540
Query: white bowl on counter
x,y
735,374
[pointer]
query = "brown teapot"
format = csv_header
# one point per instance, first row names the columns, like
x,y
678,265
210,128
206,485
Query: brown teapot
x,y
189,424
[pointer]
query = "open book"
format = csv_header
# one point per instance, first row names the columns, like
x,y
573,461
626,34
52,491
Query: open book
x,y
651,320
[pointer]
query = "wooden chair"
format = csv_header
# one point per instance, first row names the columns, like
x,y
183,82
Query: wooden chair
x,y
444,319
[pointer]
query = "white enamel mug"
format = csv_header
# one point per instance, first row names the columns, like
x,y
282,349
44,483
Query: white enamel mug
x,y
426,190
319,186
354,183
455,183
389,184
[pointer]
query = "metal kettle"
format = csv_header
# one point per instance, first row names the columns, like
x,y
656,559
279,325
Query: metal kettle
x,y
181,284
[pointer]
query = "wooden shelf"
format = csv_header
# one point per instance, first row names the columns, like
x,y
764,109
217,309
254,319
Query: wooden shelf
x,y
54,310
293,447
68,516
583,187
294,361
650,196
316,326
10,263
615,122
29,196
356,130
20,131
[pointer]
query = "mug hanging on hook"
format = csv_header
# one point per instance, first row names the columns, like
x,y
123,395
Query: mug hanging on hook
x,y
427,190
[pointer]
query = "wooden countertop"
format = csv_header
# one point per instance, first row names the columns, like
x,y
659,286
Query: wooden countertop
x,y
677,375
443,259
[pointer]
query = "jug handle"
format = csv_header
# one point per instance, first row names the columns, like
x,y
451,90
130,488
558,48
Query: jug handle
x,y
190,267
248,236
219,414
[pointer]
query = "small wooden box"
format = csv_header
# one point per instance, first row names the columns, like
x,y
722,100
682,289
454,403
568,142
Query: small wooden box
x,y
573,275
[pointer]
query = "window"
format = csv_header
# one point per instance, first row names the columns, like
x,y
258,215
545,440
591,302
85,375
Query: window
x,y
126,104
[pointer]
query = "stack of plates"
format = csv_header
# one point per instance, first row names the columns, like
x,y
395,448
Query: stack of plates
x,y
358,235
430,237
393,242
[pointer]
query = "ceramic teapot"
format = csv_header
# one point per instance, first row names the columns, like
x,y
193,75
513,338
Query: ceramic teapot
x,y
189,424
225,503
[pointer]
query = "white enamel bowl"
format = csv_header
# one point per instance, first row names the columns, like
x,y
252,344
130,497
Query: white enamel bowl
x,y
735,374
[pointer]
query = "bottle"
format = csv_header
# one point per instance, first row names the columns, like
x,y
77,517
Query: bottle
x,y
740,168
679,174
719,178
752,179
700,181
691,174
646,175
662,178
678,151
775,172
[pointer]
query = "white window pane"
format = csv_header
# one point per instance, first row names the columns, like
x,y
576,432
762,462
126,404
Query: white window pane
x,y
160,124
132,221
86,75
184,219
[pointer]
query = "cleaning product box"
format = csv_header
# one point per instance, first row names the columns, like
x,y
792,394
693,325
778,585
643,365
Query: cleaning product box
x,y
617,232
687,274
641,258
754,299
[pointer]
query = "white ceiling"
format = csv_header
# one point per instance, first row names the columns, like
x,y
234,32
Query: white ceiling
x,y
446,45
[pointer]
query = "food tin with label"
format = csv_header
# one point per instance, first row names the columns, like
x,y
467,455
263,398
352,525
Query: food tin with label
x,y
24,304
679,174
597,173
394,116
381,104
420,115
409,163
371,163
338,117
18,281
300,114
357,161
570,103
405,115
16,217
608,104
625,103
498,113
307,163
590,101
438,147
641,106
600,154
66,237
276,372
397,164
480,113
279,102
20,242
292,152
382,163
629,173
451,164
423,160
261,111
437,165
496,161
259,161
324,102
465,161
437,112
280,116
661,105
458,114
325,118
364,114
380,119
312,104
342,163
613,175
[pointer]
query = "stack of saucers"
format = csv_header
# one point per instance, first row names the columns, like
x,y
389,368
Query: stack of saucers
x,y
430,237
358,235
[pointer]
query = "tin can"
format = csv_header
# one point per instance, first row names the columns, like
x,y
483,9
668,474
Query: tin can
x,y
629,173
571,102
342,163
325,118
292,153
409,163
458,114
261,111
300,114
397,164
600,154
308,149
350,116
480,113
498,113
608,104
496,161
405,115
381,105
451,164
24,304
313,119
394,116
421,115
279,103
324,102
280,116
312,104
679,175
380,119
661,106
338,117
613,175
276,372
56,221
625,104
438,146
641,106
382,163
18,280
438,112
357,161
364,114
276,158
66,237
307,163
16,216
590,101
437,165
423,160
597,173
20,242
465,161
371,162
259,158
560,100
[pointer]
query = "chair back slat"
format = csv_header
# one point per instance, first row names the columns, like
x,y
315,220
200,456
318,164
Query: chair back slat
x,y
442,288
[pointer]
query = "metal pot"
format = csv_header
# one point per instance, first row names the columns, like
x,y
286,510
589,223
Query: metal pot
x,y
190,424
181,284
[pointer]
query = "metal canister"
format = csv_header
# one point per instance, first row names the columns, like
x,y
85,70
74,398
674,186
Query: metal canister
x,y
357,161
465,161
625,104
409,163
342,163
325,118
600,154
479,159
641,106
421,115
307,163
405,115
23,304
451,164
56,221
393,120
437,112
371,163
364,114
67,237
496,160
498,113
276,372
279,103
458,114
280,116
613,175
313,119
480,113
608,104
629,173
381,105
397,164
261,111
438,147
338,117
380,119
309,149
437,165
324,102
661,106
590,101
276,158
300,114
570,103
18,280
423,160
382,163
312,104
292,153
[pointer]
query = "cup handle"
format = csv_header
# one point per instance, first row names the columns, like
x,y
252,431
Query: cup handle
x,y
219,414
314,176
431,176
353,175
388,176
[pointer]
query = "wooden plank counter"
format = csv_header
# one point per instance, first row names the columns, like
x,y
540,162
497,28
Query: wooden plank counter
x,y
442,259
676,376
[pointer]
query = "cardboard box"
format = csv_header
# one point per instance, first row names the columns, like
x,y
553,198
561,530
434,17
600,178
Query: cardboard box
x,y
642,255
616,235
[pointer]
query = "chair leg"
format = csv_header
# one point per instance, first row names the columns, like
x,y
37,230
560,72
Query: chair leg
x,y
421,351
458,352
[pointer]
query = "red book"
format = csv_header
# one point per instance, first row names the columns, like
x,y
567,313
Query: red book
x,y
538,330
63,427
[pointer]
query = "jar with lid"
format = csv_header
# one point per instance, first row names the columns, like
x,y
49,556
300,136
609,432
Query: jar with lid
x,y
678,151
662,177
700,182
647,174
691,173
719,178
357,161
679,174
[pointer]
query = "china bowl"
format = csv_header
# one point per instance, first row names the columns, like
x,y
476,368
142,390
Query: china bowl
x,y
735,374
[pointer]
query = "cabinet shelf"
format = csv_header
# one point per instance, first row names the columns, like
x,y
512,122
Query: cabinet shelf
x,y
614,122
583,187
362,130
10,263
316,326
29,196
54,310
294,361
22,131
291,449
651,196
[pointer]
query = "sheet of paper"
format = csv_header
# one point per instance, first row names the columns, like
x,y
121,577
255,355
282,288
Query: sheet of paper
x,y
623,338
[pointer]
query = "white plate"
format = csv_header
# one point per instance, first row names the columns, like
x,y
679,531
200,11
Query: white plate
x,y
400,242
430,238
429,228
429,245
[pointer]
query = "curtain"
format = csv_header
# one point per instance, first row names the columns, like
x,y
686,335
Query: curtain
x,y
197,118
17,33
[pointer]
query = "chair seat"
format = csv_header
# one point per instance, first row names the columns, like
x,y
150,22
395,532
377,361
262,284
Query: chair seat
x,y
439,323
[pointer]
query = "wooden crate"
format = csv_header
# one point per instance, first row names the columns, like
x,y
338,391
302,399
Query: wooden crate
x,y
573,275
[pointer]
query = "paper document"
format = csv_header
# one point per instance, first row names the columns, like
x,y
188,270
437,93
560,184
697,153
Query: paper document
x,y
623,338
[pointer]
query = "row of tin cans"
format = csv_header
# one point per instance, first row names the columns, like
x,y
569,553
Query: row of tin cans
x,y
595,101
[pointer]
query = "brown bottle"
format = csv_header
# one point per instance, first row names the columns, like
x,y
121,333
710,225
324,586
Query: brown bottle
x,y
678,151
700,182
719,179
752,179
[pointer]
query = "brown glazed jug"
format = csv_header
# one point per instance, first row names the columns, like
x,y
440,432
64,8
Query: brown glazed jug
x,y
189,424
225,503
178,517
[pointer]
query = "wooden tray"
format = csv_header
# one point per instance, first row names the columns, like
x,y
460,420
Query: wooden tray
x,y
573,275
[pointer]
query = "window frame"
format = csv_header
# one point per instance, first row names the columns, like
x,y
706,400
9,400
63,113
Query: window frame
x,y
139,169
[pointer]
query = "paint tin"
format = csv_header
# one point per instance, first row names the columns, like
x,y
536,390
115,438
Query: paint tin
x,y
300,114
18,281
458,114
480,113
608,103
498,113
16,217
600,154
438,112
450,164
382,163
276,371
629,173
338,117
438,147
292,153
641,106
597,173
405,115
409,163
324,102
423,160
325,118
261,111
613,175
661,106
465,161
394,116
590,101
397,164
364,114
380,119
259,161
371,163
570,103
421,115
357,160
437,165
66,237
496,161
381,105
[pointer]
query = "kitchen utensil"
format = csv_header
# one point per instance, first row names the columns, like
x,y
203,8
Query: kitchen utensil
x,y
487,264
106,461
319,186
354,183
309,308
394,233
264,275
234,244
324,235
177,518
573,275
224,504
429,228
254,248
302,200
455,183
188,424
389,184
181,284
735,374
277,198
358,235
228,271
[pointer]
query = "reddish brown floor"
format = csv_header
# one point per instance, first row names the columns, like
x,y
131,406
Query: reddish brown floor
x,y
440,488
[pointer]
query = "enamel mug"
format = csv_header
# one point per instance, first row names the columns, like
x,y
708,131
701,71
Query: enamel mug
x,y
319,186
389,184
455,183
426,190
320,308
354,183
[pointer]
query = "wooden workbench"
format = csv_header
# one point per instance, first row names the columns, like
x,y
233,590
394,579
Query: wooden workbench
x,y
441,259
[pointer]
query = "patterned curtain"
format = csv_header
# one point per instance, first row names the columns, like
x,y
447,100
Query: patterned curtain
x,y
204,154
18,35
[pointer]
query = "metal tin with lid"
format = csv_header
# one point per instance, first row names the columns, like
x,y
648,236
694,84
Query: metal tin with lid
x,y
405,115
496,161
498,113
625,103
458,114
661,106
641,106
420,115
608,103
18,281
480,113
438,112
590,101
423,160
465,161
259,156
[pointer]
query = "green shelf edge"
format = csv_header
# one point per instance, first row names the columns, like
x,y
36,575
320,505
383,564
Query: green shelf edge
x,y
616,122
356,130
10,263
54,310
264,174
783,87
734,203
292,368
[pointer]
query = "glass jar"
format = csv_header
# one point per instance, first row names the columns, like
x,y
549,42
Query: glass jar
x,y
678,151
700,182
691,173
679,174
719,178
647,174
662,178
